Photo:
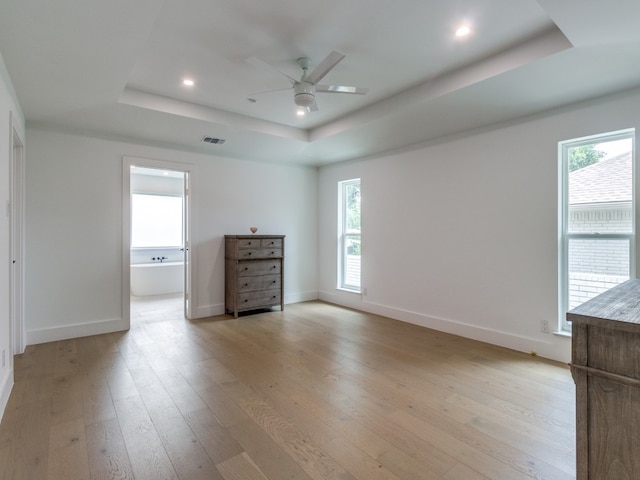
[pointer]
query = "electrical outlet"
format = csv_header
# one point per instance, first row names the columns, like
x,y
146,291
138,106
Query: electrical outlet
x,y
544,326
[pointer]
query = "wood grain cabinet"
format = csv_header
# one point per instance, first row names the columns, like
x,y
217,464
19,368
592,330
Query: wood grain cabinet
x,y
605,365
253,272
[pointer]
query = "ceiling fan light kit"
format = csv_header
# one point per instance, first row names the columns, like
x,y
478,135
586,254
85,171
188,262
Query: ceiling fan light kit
x,y
304,94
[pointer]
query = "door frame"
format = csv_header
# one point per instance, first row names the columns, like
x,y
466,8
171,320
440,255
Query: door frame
x,y
16,239
190,253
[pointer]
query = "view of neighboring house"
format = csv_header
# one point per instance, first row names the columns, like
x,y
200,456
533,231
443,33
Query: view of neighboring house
x,y
600,202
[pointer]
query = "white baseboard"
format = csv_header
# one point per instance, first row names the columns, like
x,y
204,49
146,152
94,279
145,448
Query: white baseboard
x,y
208,311
218,308
520,343
5,390
65,332
301,297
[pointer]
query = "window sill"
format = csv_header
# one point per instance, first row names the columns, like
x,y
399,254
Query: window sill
x,y
349,290
562,333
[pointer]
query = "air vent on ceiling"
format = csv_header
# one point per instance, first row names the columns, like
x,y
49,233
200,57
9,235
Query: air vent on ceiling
x,y
214,140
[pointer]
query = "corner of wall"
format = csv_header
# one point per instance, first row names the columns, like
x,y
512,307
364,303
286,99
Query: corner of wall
x,y
5,390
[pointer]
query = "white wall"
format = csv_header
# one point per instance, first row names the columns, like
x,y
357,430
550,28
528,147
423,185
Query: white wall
x,y
461,235
74,228
9,108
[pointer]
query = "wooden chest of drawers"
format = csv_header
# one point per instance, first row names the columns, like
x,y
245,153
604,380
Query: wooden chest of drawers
x,y
605,365
253,272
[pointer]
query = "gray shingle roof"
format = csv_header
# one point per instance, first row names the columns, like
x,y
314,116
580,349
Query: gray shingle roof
x,y
609,180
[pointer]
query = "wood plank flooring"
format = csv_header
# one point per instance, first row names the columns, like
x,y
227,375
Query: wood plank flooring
x,y
314,392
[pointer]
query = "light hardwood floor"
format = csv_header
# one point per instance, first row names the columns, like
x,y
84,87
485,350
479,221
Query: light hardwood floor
x,y
314,392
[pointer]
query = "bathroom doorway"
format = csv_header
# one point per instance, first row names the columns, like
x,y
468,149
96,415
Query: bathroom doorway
x,y
158,240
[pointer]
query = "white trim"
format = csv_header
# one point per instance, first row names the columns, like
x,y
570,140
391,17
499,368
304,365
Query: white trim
x,y
343,235
487,335
218,308
191,267
563,215
204,311
349,290
17,239
6,385
301,297
66,332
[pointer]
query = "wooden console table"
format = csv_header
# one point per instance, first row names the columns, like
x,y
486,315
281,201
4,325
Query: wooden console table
x,y
605,364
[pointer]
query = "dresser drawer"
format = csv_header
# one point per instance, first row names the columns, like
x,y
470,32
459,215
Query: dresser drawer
x,y
248,243
261,282
245,253
271,252
258,267
271,243
264,298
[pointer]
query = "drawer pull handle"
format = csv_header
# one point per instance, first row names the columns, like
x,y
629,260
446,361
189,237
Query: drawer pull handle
x,y
245,300
273,281
246,268
249,253
246,284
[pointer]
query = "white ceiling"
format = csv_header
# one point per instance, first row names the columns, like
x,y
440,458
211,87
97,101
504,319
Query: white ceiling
x,y
114,68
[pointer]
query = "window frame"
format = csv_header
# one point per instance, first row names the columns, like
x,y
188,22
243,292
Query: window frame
x,y
564,237
344,236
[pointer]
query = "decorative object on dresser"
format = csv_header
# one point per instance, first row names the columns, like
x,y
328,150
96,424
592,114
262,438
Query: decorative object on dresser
x,y
605,364
253,272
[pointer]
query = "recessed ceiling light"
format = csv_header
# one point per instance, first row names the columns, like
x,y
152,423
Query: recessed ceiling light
x,y
463,31
187,82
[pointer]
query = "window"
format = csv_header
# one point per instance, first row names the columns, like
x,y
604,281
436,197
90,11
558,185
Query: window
x,y
349,235
597,247
156,221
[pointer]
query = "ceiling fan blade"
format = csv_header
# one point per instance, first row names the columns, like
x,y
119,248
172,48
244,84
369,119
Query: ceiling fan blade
x,y
324,67
341,89
256,62
268,91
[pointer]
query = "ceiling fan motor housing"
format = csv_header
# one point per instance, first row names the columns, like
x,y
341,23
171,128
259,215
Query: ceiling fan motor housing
x,y
304,94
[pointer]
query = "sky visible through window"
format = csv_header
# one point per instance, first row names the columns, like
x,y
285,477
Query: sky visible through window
x,y
614,148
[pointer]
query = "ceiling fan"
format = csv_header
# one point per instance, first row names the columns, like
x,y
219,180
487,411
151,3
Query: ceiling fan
x,y
305,89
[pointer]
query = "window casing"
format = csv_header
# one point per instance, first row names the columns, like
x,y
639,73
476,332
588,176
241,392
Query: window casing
x,y
349,236
597,217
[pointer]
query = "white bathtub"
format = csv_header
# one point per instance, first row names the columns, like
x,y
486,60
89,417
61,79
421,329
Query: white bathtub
x,y
157,278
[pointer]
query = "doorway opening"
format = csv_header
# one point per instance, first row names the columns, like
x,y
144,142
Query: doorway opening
x,y
157,242
16,302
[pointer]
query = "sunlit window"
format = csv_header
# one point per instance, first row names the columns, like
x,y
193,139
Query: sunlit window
x,y
156,221
597,217
349,233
